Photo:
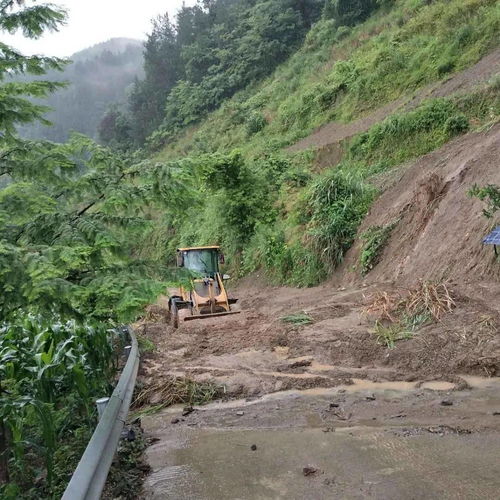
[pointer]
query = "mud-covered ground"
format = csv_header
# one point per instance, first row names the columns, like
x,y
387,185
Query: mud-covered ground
x,y
256,352
389,440
324,410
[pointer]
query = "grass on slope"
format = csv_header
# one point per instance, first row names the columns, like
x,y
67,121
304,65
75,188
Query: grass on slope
x,y
340,73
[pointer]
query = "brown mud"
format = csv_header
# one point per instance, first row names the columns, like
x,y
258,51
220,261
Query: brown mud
x,y
255,352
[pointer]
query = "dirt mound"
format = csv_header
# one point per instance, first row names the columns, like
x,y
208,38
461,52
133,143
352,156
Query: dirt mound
x,y
256,352
439,229
463,81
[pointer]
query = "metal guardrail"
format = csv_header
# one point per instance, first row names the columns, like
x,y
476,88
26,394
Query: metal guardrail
x,y
90,475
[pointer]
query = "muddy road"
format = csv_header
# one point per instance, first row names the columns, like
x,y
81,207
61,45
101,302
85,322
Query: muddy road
x,y
325,409
257,352
360,441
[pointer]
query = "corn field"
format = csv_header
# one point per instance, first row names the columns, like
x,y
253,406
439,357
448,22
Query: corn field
x,y
50,373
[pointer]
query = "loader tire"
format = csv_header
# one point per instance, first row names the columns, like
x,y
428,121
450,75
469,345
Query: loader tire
x,y
174,314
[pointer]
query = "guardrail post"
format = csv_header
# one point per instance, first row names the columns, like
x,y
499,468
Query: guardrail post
x,y
101,404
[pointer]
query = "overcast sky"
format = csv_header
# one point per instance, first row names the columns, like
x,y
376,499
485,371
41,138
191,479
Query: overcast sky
x,y
93,21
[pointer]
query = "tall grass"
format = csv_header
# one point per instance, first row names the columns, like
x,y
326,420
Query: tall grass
x,y
337,202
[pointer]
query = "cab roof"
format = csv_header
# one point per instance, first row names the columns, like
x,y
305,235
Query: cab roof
x,y
187,249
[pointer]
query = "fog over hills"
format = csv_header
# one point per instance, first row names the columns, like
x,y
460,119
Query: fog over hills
x,y
97,77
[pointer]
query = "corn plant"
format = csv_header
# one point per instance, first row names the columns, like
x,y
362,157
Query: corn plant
x,y
43,364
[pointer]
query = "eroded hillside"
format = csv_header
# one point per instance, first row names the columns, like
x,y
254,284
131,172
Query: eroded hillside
x,y
257,352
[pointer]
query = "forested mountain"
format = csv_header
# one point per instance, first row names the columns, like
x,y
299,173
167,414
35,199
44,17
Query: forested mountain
x,y
97,77
208,53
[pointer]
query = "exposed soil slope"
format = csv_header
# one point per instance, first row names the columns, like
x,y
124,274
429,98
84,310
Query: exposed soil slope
x,y
440,226
335,132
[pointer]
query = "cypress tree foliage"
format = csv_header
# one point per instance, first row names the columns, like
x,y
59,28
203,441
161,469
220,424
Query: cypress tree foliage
x,y
69,213
71,217
32,21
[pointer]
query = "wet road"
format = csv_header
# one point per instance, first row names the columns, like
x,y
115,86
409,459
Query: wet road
x,y
379,443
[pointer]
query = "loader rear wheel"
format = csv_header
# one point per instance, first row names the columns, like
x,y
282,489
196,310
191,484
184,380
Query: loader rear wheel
x,y
174,314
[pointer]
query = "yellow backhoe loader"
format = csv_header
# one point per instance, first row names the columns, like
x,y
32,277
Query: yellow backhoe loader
x,y
207,297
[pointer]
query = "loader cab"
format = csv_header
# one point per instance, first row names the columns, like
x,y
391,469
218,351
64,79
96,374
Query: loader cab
x,y
201,260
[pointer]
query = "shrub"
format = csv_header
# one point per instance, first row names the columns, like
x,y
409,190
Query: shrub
x,y
406,135
494,82
456,124
343,32
375,239
337,202
290,263
446,67
388,335
491,194
255,123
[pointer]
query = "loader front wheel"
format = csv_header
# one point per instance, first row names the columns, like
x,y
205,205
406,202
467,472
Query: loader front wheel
x,y
174,314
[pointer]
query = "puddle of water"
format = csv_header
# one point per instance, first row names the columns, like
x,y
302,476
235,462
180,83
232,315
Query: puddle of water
x,y
364,385
438,385
210,368
288,375
358,385
318,367
481,382
296,393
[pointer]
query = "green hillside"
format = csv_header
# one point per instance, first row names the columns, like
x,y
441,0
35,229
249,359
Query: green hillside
x,y
340,72
276,210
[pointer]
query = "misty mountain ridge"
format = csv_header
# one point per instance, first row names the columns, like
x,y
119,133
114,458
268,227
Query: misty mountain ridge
x,y
97,77
114,45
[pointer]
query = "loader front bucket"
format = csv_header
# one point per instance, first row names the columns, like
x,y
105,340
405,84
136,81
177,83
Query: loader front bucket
x,y
211,315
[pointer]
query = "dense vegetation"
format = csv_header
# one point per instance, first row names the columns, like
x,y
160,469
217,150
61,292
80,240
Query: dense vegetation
x,y
70,217
81,105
